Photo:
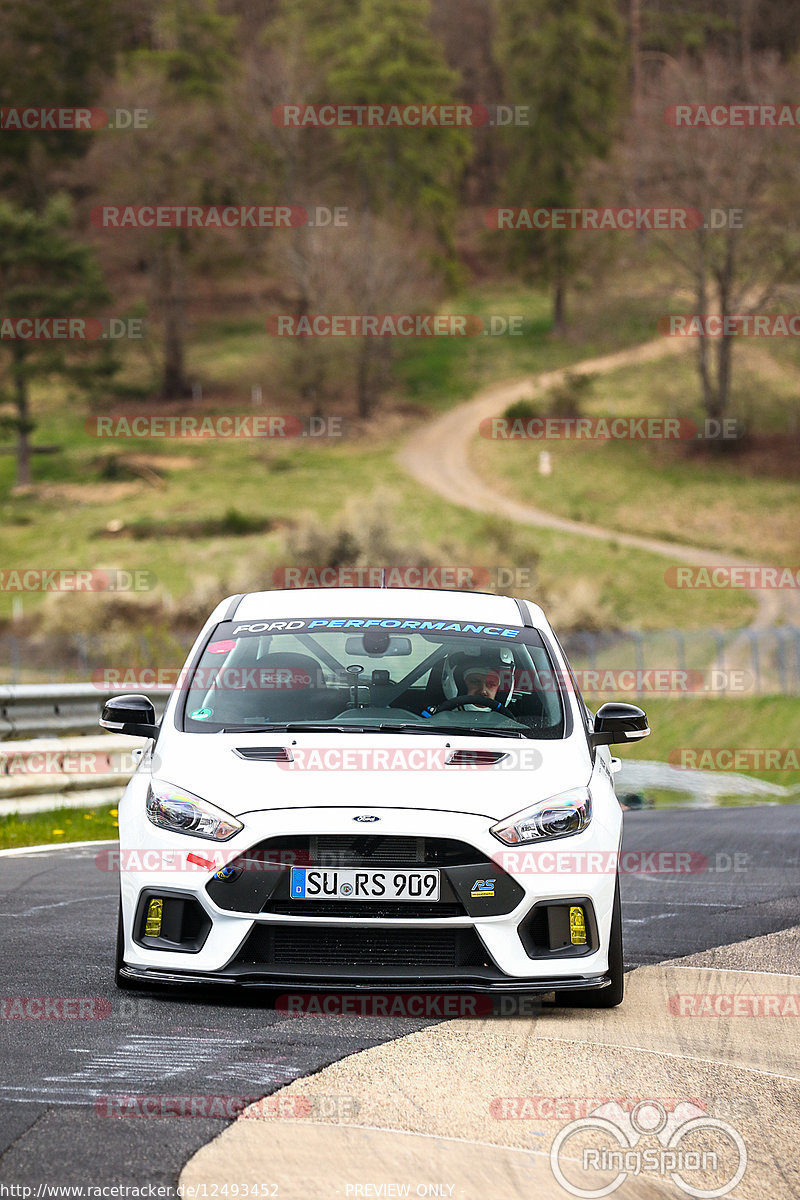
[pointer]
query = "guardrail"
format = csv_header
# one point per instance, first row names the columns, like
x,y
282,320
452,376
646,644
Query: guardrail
x,y
38,710
72,772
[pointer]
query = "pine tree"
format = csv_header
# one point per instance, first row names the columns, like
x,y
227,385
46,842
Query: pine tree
x,y
383,52
45,273
569,62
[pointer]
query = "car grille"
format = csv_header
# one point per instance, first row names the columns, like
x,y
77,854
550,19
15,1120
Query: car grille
x,y
359,850
294,946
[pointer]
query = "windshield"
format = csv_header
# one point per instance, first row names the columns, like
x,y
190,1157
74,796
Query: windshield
x,y
375,674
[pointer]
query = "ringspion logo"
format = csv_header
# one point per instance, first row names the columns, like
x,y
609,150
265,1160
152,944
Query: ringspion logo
x,y
694,1149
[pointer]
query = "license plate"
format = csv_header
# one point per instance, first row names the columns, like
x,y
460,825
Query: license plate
x,y
321,883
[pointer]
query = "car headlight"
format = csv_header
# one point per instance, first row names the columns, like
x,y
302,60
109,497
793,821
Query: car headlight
x,y
560,816
181,812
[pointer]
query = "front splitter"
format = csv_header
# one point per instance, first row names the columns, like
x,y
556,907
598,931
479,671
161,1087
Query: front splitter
x,y
142,976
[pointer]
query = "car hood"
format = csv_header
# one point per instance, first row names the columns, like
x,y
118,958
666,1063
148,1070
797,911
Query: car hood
x,y
371,771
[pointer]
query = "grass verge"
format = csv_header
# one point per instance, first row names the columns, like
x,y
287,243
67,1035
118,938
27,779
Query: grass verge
x,y
744,502
61,825
758,722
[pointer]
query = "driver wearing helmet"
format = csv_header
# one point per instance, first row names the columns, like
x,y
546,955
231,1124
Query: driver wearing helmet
x,y
471,683
481,680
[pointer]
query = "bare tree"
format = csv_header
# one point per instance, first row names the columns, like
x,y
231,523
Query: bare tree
x,y
368,268
742,179
191,157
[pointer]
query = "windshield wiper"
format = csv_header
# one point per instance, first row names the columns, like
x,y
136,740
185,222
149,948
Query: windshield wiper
x,y
384,727
291,727
456,730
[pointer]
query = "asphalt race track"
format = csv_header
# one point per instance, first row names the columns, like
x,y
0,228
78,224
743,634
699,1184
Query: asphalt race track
x,y
57,928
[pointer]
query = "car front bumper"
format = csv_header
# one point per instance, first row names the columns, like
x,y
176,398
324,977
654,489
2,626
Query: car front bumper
x,y
506,965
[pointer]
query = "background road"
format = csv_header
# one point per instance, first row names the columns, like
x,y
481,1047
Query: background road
x,y
57,926
437,455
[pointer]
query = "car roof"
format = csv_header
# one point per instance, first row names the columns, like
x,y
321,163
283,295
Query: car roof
x,y
430,603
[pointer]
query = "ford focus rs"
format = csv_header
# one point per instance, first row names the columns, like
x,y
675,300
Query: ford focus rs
x,y
367,789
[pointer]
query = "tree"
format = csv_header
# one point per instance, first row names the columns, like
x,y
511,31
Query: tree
x,y
360,269
383,52
186,81
45,275
400,184
57,53
466,30
737,261
570,62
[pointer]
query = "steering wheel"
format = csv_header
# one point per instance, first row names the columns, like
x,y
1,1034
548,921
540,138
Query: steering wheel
x,y
458,701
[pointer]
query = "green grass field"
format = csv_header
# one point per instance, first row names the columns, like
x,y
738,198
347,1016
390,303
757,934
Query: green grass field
x,y
661,489
61,825
768,722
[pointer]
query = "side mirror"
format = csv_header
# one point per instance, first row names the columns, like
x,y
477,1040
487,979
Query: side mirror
x,y
615,723
130,714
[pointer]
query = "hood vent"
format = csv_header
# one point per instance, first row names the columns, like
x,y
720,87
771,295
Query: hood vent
x,y
264,753
475,758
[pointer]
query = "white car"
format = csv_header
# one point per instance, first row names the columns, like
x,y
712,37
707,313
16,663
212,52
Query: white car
x,y
374,789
